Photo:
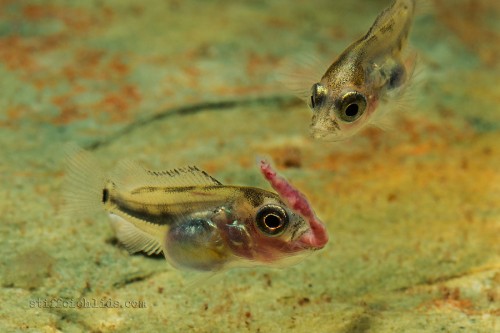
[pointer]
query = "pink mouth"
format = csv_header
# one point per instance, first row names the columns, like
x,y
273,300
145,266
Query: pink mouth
x,y
317,236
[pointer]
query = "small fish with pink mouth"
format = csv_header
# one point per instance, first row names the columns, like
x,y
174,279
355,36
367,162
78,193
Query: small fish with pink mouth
x,y
198,223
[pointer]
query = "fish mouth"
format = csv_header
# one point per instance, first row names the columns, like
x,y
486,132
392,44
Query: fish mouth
x,y
299,231
304,237
324,135
315,236
307,240
332,134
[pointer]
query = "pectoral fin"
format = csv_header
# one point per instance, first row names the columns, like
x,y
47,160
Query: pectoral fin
x,y
133,238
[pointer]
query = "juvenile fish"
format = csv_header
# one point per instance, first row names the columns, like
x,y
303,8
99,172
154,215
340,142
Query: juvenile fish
x,y
197,222
365,82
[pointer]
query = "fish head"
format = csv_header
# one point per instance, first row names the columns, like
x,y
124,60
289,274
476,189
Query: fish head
x,y
281,228
374,70
269,233
276,224
339,111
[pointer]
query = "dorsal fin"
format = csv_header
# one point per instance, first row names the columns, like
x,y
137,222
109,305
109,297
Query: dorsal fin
x,y
130,175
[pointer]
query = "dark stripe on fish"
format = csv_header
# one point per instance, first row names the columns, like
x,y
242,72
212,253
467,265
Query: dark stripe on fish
x,y
162,217
180,171
105,195
148,189
253,197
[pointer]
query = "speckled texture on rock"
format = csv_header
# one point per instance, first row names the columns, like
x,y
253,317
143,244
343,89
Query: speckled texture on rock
x,y
413,213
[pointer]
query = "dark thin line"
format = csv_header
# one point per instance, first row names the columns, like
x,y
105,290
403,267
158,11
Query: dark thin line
x,y
130,280
186,111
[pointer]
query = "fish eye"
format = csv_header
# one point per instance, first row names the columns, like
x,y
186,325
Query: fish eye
x,y
272,220
352,106
318,94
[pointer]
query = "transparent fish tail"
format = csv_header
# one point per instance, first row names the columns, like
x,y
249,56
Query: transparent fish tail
x,y
87,191
84,183
391,28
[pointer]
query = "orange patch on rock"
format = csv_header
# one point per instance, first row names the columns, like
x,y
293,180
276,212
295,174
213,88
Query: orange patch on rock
x,y
239,90
16,112
68,110
16,53
21,53
76,19
118,66
117,104
338,159
451,298
260,63
192,75
85,66
286,156
467,20
276,22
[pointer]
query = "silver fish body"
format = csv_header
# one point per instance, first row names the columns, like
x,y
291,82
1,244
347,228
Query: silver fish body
x,y
197,222
359,86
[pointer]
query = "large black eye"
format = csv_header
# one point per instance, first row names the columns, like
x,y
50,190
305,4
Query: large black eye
x,y
351,106
272,220
318,94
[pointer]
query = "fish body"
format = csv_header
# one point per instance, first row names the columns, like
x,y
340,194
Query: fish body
x,y
371,74
197,222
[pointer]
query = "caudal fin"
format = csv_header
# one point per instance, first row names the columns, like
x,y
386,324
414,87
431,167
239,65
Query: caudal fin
x,y
84,183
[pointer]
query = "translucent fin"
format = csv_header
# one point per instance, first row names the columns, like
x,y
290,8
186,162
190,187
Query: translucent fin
x,y
390,28
130,175
298,74
384,118
83,184
199,279
406,7
423,7
403,98
134,239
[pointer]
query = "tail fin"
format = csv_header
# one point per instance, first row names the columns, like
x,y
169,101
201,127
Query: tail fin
x,y
84,185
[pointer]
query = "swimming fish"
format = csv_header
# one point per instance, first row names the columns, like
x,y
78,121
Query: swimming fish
x,y
368,79
198,223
